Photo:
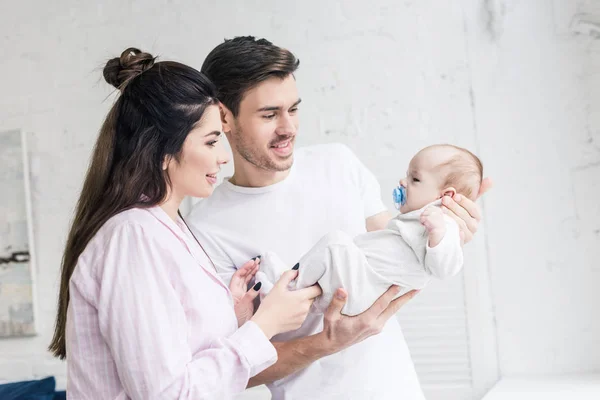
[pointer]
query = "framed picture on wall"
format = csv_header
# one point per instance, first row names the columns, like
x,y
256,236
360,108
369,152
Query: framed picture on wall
x,y
16,239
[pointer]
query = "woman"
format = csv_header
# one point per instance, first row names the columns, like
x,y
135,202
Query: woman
x,y
142,313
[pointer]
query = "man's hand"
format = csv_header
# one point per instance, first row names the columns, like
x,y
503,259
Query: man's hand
x,y
343,331
339,331
465,212
242,297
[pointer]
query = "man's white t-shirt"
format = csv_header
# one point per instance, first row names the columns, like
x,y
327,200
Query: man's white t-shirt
x,y
327,189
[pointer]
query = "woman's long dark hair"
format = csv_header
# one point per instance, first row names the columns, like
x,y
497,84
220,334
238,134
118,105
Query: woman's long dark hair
x,y
159,104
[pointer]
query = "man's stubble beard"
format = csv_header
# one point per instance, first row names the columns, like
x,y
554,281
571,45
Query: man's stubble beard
x,y
258,157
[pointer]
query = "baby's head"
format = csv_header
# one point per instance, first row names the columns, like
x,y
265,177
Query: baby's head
x,y
441,170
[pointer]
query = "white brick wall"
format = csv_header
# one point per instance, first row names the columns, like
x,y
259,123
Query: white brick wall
x,y
505,78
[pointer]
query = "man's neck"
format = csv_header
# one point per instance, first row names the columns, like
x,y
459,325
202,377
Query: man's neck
x,y
248,175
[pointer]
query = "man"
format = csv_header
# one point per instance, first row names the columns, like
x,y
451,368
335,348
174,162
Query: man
x,y
285,201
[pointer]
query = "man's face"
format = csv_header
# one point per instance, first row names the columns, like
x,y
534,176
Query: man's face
x,y
265,129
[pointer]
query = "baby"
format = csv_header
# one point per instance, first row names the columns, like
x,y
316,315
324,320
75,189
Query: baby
x,y
419,243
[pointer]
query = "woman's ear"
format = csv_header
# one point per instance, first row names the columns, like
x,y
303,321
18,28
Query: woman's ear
x,y
449,191
226,117
166,162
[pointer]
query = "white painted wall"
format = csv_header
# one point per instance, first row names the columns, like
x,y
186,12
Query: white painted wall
x,y
508,79
536,92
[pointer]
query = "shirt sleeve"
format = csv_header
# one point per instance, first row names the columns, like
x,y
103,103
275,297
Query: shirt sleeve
x,y
143,322
370,190
446,259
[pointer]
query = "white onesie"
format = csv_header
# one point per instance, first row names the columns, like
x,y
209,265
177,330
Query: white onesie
x,y
368,264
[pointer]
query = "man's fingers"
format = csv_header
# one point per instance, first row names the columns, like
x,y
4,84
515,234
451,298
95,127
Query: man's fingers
x,y
334,310
461,216
465,212
486,184
458,209
395,305
470,206
462,226
382,302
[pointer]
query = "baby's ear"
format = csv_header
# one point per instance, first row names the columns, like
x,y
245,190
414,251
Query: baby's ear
x,y
449,191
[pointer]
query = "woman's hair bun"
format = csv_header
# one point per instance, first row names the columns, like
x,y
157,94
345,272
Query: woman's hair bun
x,y
132,62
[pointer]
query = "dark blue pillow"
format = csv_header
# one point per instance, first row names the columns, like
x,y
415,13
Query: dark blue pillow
x,y
60,395
56,396
29,390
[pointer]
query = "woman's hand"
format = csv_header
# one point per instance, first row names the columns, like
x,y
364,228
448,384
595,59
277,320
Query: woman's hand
x,y
283,310
243,299
465,212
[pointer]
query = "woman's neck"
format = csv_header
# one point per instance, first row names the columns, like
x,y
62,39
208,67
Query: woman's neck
x,y
171,205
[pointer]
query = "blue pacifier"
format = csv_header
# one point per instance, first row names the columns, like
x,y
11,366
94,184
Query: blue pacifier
x,y
399,195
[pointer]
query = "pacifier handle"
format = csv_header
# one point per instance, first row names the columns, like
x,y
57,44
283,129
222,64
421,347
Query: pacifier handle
x,y
399,196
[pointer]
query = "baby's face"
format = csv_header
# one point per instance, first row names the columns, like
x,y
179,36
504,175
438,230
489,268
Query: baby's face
x,y
423,182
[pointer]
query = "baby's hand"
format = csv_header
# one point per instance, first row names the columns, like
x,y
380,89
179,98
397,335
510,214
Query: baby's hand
x,y
433,220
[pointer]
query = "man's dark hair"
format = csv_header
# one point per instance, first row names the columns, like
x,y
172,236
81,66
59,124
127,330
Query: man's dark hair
x,y
239,64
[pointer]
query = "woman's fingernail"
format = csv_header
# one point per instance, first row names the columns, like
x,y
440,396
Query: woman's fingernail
x,y
257,286
340,295
457,197
296,266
